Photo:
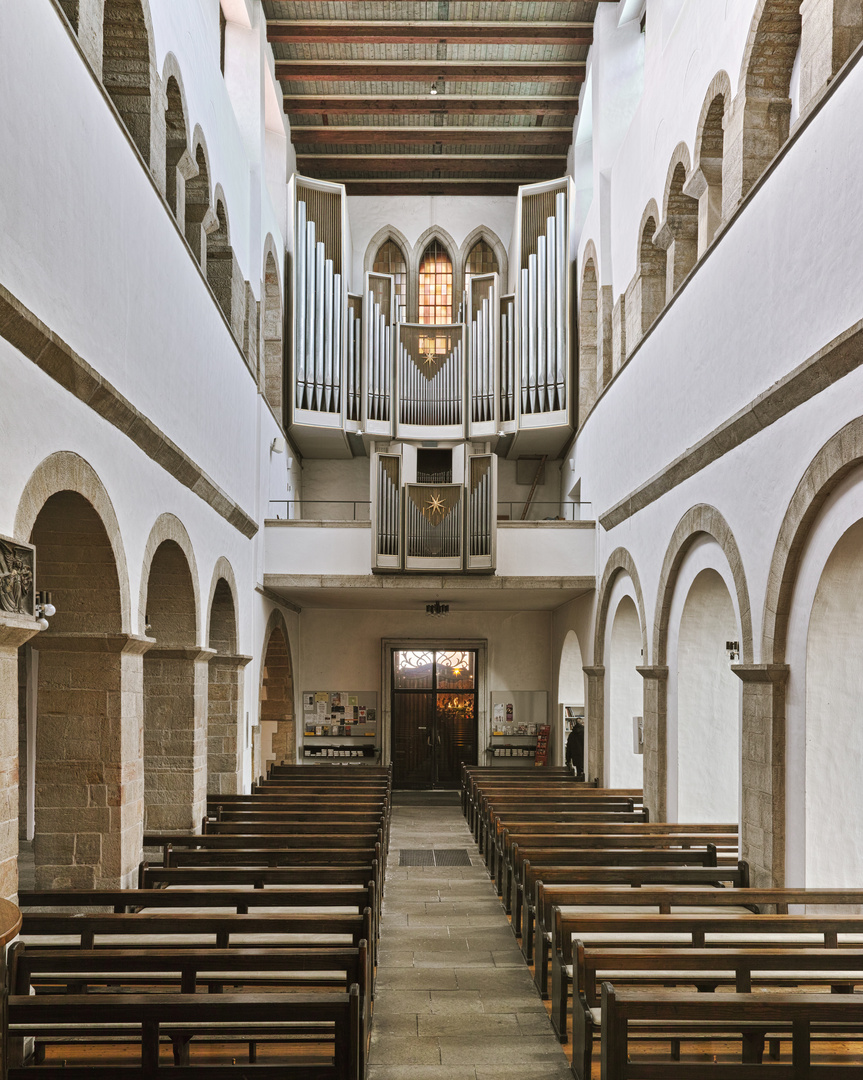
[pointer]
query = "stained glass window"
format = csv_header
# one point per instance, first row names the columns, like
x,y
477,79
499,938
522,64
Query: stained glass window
x,y
389,260
435,285
482,260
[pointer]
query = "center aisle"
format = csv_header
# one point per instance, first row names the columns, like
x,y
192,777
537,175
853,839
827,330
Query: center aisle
x,y
454,997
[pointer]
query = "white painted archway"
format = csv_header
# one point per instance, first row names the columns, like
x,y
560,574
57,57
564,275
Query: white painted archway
x,y
624,693
570,689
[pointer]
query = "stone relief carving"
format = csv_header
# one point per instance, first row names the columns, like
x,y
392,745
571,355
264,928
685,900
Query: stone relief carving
x,y
16,577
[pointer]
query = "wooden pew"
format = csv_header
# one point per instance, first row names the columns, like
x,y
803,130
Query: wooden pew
x,y
181,1017
745,968
186,971
796,1016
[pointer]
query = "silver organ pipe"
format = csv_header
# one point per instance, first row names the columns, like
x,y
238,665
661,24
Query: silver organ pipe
x,y
560,320
388,506
541,325
429,396
350,365
319,306
507,358
434,536
550,306
533,286
524,300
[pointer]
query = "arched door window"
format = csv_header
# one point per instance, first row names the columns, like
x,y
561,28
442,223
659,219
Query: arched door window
x,y
435,285
390,260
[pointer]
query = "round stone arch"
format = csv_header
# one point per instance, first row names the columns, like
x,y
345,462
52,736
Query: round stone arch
x,y
680,156
720,86
839,456
276,693
619,562
138,98
169,527
224,570
225,684
272,324
700,520
67,471
594,361
388,232
179,160
483,232
434,232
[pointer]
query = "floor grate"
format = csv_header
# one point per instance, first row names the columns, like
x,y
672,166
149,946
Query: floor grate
x,y
433,857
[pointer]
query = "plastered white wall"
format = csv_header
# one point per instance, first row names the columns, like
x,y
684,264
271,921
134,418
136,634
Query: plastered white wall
x,y
624,687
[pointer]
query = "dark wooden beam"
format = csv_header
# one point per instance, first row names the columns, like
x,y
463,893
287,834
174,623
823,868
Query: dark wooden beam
x,y
429,136
436,187
429,104
370,32
339,167
429,71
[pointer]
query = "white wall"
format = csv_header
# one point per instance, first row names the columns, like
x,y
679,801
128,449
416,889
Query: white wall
x,y
625,694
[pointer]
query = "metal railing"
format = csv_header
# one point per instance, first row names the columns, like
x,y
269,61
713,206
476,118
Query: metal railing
x,y
545,511
319,510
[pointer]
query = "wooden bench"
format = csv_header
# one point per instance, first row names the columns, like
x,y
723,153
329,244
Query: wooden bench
x,y
186,970
718,928
745,969
496,810
791,1016
150,1017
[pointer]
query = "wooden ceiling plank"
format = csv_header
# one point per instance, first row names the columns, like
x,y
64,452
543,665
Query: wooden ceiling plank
x,y
340,32
481,188
428,136
361,166
428,71
359,105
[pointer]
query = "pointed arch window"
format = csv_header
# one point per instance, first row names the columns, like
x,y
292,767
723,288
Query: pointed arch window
x,y
435,285
481,260
390,260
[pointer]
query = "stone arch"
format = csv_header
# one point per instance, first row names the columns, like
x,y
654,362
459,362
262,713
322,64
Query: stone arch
x,y
645,297
273,328
590,379
570,692
71,11
223,272
179,163
705,181
619,562
169,527
759,121
198,216
697,521
834,461
225,684
276,693
67,471
381,239
434,232
678,234
129,72
482,232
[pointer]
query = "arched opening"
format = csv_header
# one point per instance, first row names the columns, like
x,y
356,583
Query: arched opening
x,y
481,259
625,697
70,10
570,693
198,206
710,159
390,260
224,695
435,285
175,147
273,359
834,733
708,710
590,379
175,695
277,698
80,793
682,222
650,284
126,67
221,267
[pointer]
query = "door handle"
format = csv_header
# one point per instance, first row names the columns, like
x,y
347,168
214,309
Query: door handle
x,y
438,740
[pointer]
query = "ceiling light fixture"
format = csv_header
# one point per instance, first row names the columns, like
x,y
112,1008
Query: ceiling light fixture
x,y
437,609
433,90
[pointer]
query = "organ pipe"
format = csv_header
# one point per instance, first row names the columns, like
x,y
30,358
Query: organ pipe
x,y
300,264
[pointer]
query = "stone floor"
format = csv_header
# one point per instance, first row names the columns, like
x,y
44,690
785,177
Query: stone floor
x,y
454,997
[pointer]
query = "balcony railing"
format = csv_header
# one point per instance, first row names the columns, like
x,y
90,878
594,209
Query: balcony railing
x,y
319,510
544,511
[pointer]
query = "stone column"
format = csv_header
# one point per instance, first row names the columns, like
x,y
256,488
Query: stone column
x,y
763,782
89,766
655,741
705,184
15,630
225,723
679,240
831,30
618,334
755,129
604,349
175,738
595,749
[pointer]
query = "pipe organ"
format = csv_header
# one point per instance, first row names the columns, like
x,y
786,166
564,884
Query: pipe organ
x,y
359,373
428,526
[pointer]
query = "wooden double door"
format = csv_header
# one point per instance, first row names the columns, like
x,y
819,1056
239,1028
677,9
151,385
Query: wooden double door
x,y
434,711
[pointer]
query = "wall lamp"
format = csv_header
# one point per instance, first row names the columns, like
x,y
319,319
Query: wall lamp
x,y
437,609
43,609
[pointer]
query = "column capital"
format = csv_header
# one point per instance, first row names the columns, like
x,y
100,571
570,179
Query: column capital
x,y
594,672
180,652
659,673
761,673
16,629
236,660
135,644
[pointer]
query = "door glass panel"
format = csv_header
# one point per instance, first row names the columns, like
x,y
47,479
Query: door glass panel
x,y
455,670
413,669
456,735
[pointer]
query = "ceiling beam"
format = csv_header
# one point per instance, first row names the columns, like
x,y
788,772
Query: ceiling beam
x,y
339,167
429,71
350,32
446,105
435,187
429,136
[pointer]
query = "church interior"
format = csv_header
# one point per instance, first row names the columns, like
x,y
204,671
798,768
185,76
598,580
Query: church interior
x,y
434,411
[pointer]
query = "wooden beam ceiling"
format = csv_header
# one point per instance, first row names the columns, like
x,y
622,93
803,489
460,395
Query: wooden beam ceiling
x,y
484,139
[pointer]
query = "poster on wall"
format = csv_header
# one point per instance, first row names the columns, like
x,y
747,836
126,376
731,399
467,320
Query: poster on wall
x,y
308,703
